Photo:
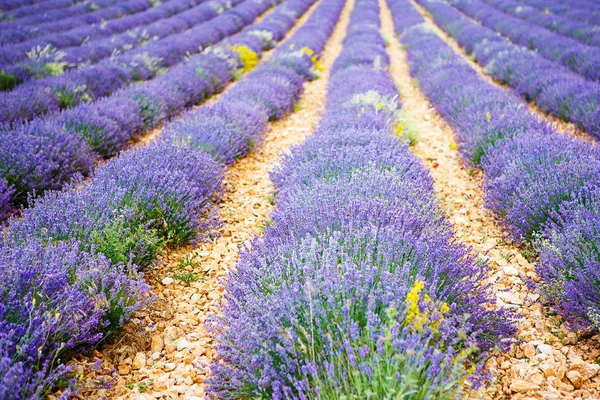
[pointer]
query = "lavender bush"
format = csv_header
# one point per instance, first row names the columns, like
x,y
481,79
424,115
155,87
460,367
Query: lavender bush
x,y
581,31
19,38
133,207
8,5
56,299
541,183
554,88
111,50
583,59
357,288
528,177
570,258
227,130
577,10
55,8
103,231
40,157
75,87
110,124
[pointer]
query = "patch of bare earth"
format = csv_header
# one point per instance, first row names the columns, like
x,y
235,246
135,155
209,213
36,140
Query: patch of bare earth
x,y
163,350
550,362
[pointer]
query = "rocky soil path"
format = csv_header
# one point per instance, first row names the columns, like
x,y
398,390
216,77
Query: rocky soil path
x,y
550,362
162,352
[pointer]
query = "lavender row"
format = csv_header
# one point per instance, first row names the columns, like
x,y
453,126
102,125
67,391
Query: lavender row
x,y
543,185
28,8
554,88
235,123
580,58
580,31
45,153
71,32
115,49
356,289
13,33
51,10
72,277
51,94
575,10
581,4
105,231
8,5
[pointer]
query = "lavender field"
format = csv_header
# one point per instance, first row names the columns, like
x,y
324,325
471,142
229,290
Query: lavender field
x,y
299,199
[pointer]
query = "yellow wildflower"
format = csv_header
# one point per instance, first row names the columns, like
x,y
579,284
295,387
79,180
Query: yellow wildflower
x,y
399,129
453,146
292,46
319,66
412,302
307,50
248,58
444,309
57,315
488,116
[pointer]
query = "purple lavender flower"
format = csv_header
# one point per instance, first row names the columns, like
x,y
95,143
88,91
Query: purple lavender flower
x,y
529,176
227,130
41,157
57,300
327,302
5,199
553,87
542,184
570,259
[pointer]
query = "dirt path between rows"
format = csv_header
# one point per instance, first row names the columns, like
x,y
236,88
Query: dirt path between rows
x,y
551,362
160,352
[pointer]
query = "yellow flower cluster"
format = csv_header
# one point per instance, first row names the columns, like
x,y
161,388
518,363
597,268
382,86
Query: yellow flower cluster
x,y
307,50
399,132
488,116
414,315
317,64
248,57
